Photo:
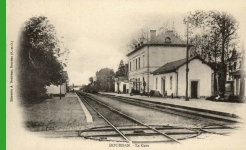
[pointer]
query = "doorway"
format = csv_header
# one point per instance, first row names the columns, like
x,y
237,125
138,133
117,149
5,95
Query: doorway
x,y
194,89
163,85
124,88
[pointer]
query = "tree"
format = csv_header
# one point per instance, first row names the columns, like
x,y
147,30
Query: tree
x,y
105,79
167,26
83,87
122,70
38,64
144,34
221,36
141,36
91,80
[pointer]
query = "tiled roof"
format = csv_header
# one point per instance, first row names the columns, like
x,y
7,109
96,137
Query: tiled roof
x,y
173,66
161,40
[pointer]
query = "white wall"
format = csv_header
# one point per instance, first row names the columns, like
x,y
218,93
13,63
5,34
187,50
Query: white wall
x,y
53,89
167,83
197,72
115,87
158,56
121,86
141,72
137,55
237,85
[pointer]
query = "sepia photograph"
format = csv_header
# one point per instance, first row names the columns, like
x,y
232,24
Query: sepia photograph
x,y
125,74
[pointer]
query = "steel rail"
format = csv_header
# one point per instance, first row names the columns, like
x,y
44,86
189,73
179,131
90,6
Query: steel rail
x,y
155,107
160,107
135,120
108,122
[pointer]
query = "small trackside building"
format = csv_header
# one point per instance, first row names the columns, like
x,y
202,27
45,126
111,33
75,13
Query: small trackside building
x,y
121,85
170,79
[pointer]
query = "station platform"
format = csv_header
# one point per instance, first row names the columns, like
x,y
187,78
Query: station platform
x,y
238,109
85,110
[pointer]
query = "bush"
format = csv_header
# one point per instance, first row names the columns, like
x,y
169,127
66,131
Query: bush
x,y
135,92
155,93
94,91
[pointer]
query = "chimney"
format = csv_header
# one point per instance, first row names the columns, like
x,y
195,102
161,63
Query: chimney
x,y
170,33
152,34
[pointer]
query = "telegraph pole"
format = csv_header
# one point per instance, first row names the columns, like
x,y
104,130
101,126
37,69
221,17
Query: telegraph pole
x,y
109,80
242,83
73,87
187,68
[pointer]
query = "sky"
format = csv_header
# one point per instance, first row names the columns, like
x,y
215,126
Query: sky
x,y
97,32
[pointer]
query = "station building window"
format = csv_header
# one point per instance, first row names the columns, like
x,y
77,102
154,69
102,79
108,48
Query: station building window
x,y
130,66
133,67
156,83
143,60
139,63
136,63
171,82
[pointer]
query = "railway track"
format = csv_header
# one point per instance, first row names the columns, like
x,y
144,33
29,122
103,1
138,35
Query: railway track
x,y
135,131
177,110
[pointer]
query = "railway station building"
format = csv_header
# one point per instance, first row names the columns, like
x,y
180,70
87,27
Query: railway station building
x,y
170,79
150,55
236,74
